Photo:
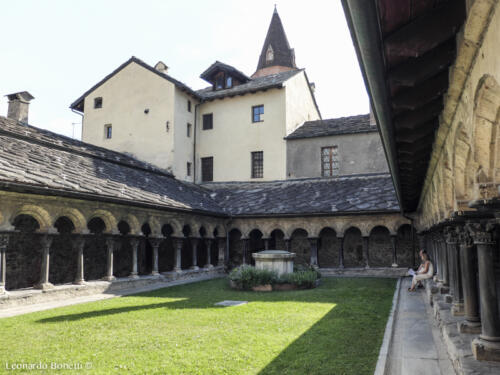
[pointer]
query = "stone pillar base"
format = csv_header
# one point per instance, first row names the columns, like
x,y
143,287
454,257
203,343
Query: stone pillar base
x,y
208,266
134,275
2,290
177,269
155,273
486,350
394,265
469,327
79,282
44,286
109,278
444,290
457,309
194,268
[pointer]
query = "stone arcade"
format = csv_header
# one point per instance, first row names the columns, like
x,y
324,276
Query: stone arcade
x,y
433,74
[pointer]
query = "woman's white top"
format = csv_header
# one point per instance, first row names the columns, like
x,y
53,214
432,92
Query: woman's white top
x,y
430,271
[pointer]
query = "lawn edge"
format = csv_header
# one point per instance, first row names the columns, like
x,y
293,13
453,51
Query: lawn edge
x,y
380,369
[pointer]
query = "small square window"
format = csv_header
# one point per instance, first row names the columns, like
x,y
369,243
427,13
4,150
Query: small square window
x,y
188,169
189,130
98,102
189,105
208,121
257,164
257,112
108,131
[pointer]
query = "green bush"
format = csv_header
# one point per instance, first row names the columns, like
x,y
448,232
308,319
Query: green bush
x,y
303,279
246,277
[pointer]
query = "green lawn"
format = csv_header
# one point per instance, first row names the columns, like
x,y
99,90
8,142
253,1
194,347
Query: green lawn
x,y
334,329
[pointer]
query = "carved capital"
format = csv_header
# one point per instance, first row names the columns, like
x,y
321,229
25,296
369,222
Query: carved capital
x,y
451,235
4,241
46,241
481,232
79,242
155,241
110,242
178,242
463,236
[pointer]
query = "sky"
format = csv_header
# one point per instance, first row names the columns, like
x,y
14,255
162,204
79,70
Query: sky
x,y
57,50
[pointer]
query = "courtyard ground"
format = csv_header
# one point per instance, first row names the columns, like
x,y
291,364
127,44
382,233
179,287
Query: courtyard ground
x,y
334,329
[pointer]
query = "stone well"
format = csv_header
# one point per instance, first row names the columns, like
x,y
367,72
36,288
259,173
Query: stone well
x,y
274,260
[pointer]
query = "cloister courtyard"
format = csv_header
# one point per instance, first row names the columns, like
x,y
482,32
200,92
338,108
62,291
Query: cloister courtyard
x,y
336,328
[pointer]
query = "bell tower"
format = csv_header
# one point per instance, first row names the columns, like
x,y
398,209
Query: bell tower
x,y
276,55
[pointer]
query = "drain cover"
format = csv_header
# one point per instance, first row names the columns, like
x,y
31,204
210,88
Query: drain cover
x,y
231,303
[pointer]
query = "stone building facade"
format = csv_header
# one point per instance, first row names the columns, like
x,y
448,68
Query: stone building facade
x,y
439,114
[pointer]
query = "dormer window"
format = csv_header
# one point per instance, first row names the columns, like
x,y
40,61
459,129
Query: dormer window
x,y
229,82
219,82
269,54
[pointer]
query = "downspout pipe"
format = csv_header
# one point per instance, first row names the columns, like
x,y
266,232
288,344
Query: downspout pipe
x,y
194,140
79,114
362,19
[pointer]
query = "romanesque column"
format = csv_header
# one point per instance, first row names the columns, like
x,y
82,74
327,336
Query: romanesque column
x,y
245,243
394,255
135,243
155,243
178,242
437,255
4,242
366,250
195,242
487,346
457,308
450,243
313,241
468,265
266,243
110,243
44,272
288,244
341,252
221,242
446,274
79,245
209,253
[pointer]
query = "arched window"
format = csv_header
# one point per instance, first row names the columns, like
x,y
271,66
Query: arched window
x,y
269,54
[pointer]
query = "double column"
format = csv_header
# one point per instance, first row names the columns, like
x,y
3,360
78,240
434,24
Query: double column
x,y
44,282
4,242
487,346
456,290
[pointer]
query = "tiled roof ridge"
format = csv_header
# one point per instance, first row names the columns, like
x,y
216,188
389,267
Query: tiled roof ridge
x,y
141,165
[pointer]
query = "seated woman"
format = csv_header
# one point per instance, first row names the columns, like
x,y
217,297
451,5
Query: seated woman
x,y
425,271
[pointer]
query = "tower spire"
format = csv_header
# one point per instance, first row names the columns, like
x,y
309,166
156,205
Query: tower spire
x,y
276,55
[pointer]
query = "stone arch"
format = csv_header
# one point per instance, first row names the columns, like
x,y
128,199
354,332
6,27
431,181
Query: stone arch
x,y
108,218
153,225
133,222
486,110
38,213
221,230
328,248
76,218
255,244
380,247
461,153
353,248
277,239
63,254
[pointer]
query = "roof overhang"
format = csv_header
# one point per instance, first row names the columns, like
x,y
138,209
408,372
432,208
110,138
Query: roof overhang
x,y
404,50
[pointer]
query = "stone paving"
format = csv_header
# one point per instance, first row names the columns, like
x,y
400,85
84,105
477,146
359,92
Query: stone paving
x,y
417,347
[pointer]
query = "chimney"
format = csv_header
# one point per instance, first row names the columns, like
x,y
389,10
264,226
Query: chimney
x,y
312,86
19,106
161,67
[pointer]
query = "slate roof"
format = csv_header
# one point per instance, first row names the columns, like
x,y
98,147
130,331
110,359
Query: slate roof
x,y
256,84
276,37
78,103
347,194
334,126
40,160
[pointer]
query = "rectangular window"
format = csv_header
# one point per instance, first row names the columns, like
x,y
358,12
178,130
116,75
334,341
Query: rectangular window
x,y
257,112
98,102
189,105
108,131
208,121
257,164
189,129
329,161
188,169
207,169
229,82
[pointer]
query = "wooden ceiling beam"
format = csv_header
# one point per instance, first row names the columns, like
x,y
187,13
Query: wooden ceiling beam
x,y
416,97
425,32
414,119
